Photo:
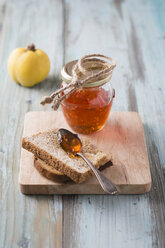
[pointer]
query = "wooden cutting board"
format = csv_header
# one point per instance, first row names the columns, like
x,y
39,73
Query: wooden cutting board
x,y
122,136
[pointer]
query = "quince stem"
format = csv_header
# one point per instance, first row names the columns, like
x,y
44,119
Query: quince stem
x,y
31,47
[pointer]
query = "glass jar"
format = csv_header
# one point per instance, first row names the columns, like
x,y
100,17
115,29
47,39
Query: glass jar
x,y
86,110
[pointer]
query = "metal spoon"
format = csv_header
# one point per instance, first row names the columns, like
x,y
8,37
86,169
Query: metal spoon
x,y
72,145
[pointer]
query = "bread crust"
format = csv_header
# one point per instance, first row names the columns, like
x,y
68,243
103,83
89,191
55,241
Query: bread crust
x,y
49,172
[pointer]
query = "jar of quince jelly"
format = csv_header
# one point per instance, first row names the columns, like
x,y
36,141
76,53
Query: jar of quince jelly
x,y
86,109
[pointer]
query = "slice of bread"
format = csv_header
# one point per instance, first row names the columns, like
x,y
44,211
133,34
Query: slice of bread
x,y
49,172
44,145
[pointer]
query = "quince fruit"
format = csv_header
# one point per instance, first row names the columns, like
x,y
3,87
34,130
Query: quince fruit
x,y
28,66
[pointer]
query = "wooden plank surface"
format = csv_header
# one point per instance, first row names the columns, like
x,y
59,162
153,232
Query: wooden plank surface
x,y
122,139
133,32
26,221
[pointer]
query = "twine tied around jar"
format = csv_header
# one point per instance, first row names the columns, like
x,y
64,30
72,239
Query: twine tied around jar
x,y
82,73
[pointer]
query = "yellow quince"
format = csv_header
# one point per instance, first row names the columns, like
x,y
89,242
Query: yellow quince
x,y
28,66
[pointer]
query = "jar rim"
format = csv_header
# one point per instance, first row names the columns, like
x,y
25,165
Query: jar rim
x,y
67,77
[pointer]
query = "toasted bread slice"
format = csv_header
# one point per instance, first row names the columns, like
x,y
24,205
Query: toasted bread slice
x,y
49,171
44,145
53,174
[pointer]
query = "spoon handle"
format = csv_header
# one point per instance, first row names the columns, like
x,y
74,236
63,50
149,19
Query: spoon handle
x,y
108,186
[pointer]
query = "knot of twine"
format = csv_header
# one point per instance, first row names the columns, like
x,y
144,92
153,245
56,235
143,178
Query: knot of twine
x,y
84,66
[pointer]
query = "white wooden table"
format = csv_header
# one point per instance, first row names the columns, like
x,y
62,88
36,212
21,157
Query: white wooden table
x,y
132,32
